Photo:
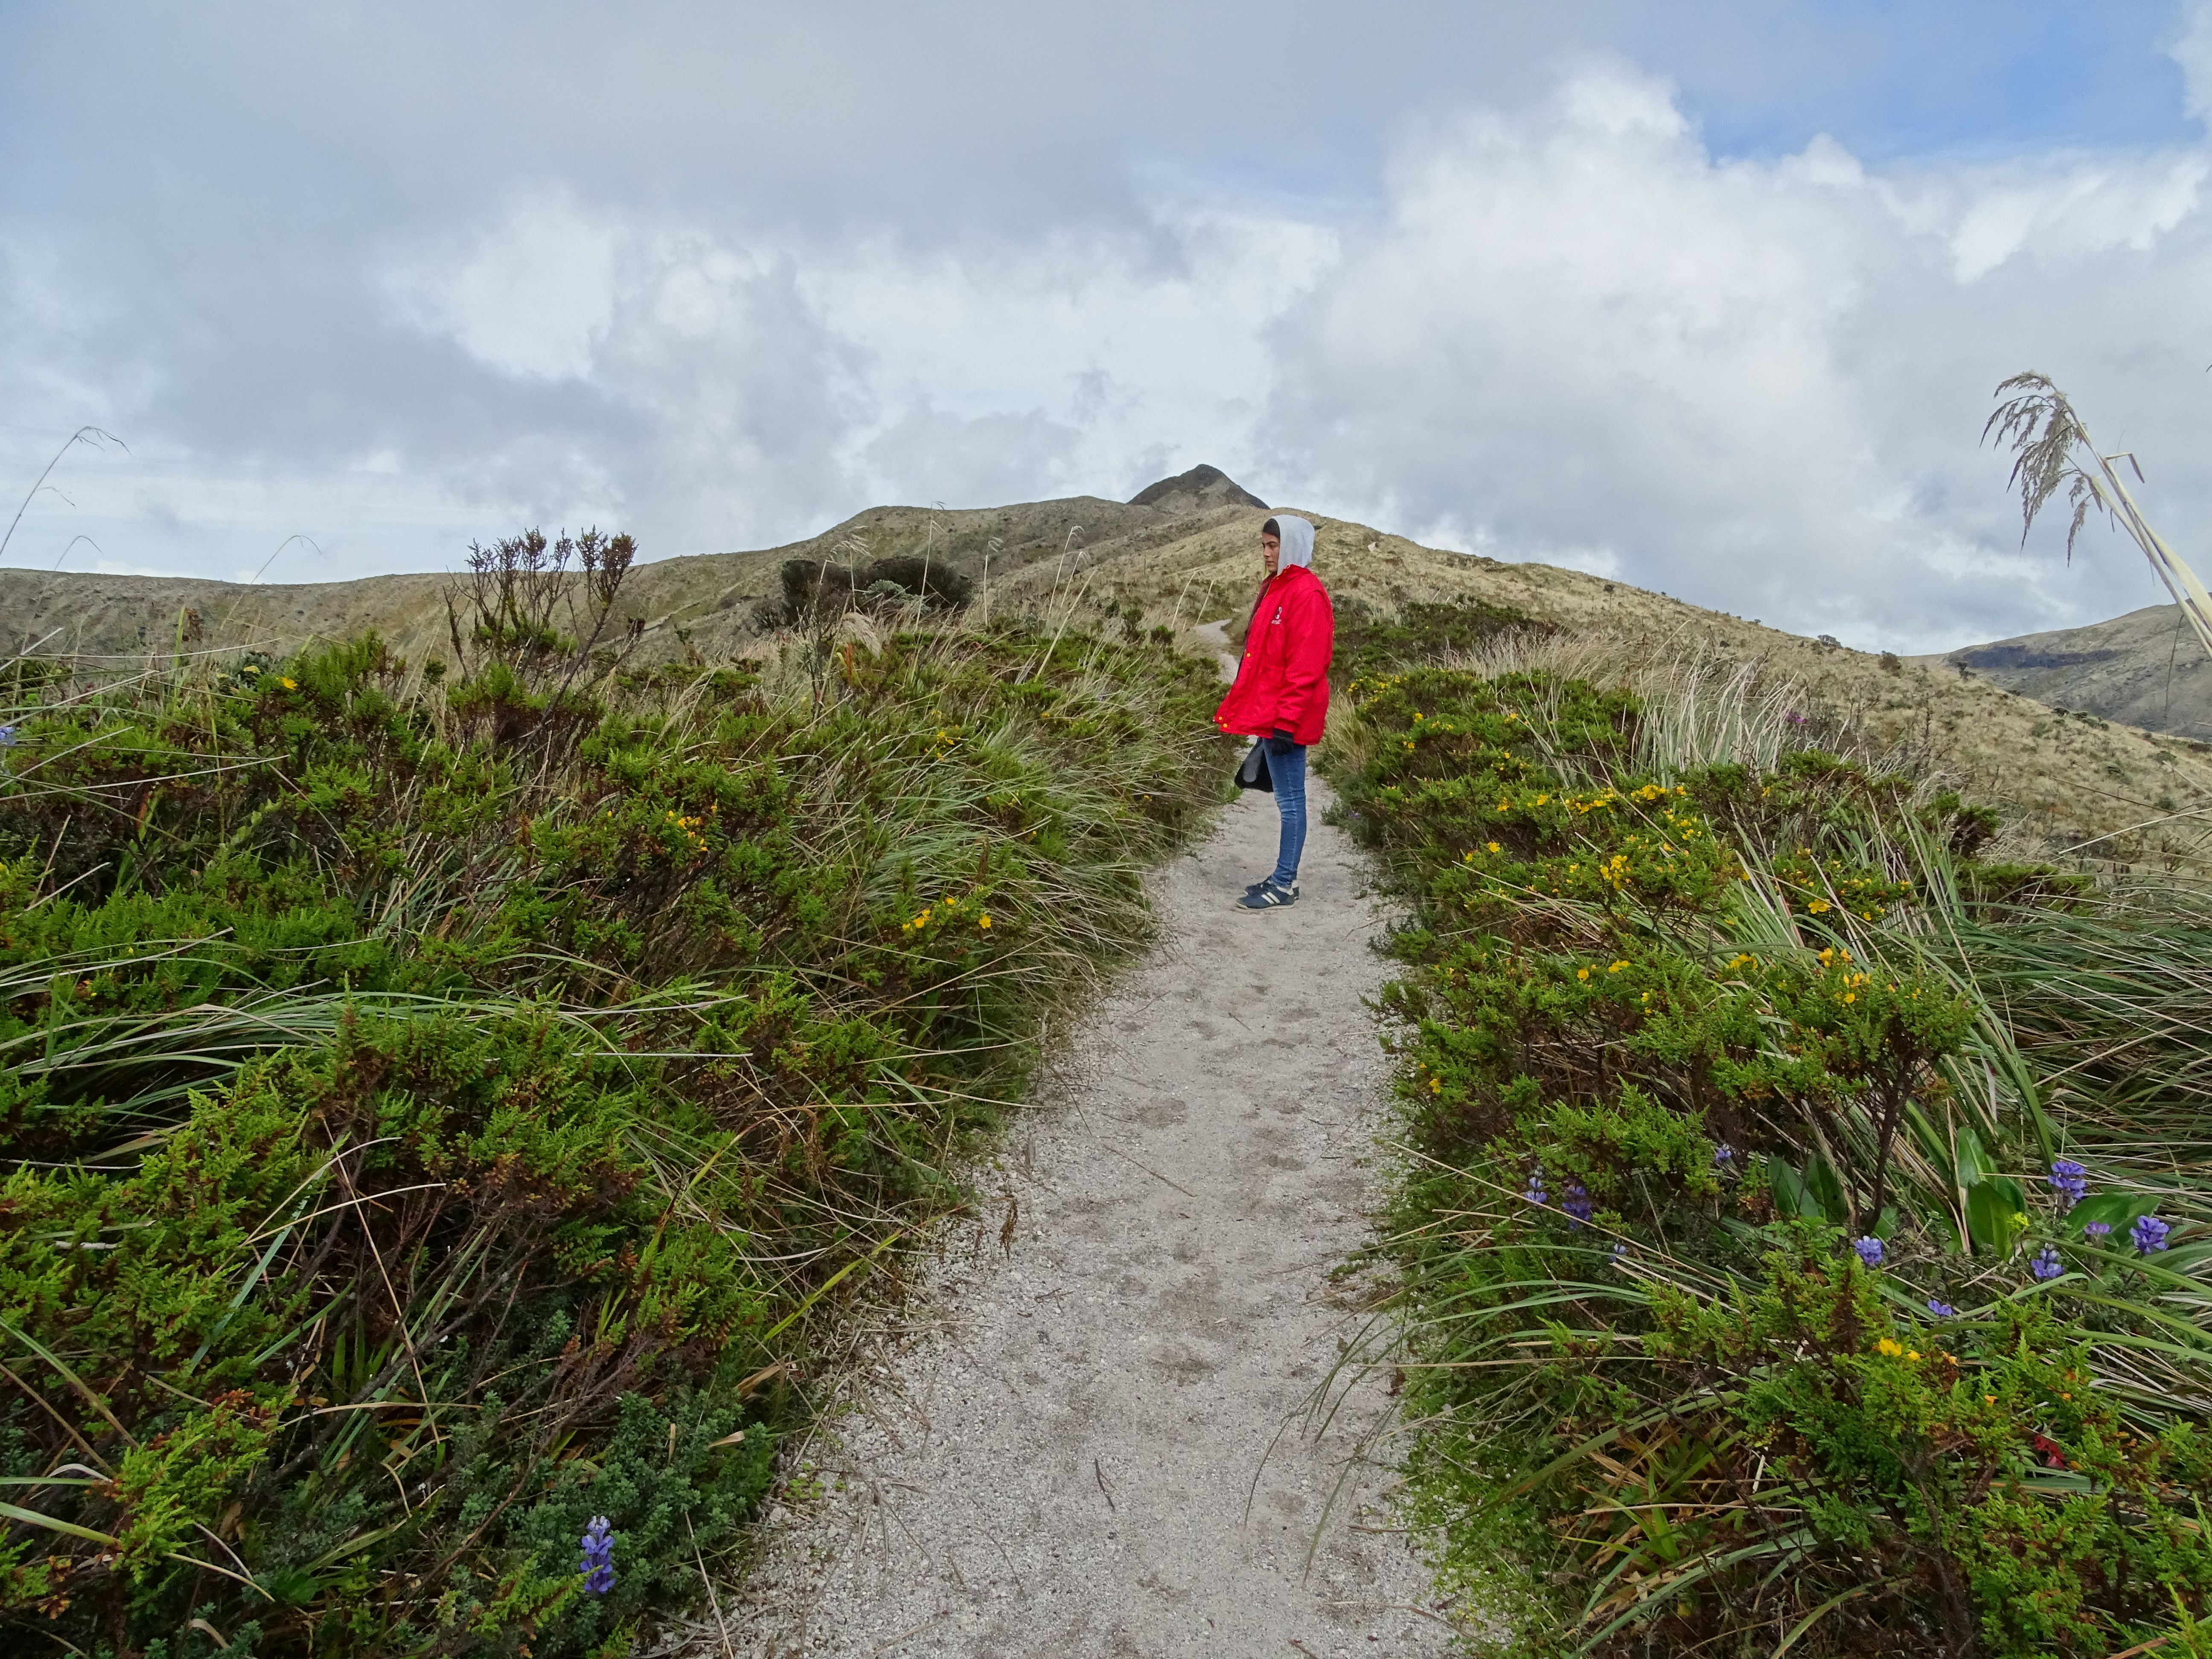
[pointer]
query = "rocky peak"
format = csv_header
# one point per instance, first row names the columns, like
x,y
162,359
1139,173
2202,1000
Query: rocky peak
x,y
1207,486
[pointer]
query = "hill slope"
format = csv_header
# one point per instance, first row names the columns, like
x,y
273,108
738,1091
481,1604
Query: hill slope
x,y
2145,668
2067,777
1186,551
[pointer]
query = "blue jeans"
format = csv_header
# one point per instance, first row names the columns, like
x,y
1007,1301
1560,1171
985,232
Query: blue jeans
x,y
1287,767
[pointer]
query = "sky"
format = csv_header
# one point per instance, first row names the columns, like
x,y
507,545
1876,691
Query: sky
x,y
1710,297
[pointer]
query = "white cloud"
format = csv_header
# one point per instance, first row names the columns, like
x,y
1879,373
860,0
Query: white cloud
x,y
747,387
1148,350
529,297
738,399
927,456
2192,50
1557,326
1587,333
1576,334
2067,212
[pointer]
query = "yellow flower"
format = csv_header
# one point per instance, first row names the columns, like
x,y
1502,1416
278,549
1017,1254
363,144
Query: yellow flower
x,y
1493,846
1582,973
1817,905
982,921
1616,967
1912,1353
1850,996
1436,1086
289,683
1886,1346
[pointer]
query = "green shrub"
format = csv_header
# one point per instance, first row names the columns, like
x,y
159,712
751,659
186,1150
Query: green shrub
x,y
1733,1322
440,1109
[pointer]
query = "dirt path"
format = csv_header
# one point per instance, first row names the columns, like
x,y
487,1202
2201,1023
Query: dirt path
x,y
1097,1446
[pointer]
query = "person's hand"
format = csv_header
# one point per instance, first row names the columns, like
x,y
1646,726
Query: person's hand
x,y
1280,743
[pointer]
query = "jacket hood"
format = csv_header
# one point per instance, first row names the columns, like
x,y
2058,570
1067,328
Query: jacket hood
x,y
1298,539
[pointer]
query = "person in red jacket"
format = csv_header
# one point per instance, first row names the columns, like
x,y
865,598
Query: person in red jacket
x,y
1281,694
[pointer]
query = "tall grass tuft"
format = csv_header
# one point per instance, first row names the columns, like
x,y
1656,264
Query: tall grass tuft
x,y
2052,449
1801,1207
440,1102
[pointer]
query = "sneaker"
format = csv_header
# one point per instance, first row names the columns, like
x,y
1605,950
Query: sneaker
x,y
1266,895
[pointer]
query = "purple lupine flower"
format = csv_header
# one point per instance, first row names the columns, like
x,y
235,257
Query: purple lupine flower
x,y
2068,1180
599,1567
1723,1156
1941,1309
2045,1265
2149,1234
2097,1231
1577,1203
1618,1251
1535,1193
1869,1250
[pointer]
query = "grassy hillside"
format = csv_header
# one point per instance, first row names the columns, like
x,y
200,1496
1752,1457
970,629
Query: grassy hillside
x,y
710,605
438,1109
2068,778
2144,669
445,1086
1803,1206
1189,555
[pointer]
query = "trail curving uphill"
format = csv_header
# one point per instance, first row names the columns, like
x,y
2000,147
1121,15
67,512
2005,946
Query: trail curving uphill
x,y
1096,1443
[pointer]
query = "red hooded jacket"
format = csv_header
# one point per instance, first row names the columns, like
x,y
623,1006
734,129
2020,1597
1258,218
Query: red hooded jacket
x,y
1283,682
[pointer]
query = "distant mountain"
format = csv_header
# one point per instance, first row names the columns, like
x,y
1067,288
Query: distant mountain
x,y
2145,669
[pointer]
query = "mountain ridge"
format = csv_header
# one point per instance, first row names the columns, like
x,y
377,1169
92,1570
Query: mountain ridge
x,y
1190,554
2144,668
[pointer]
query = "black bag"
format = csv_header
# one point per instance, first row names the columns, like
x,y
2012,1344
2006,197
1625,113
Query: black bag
x,y
1253,773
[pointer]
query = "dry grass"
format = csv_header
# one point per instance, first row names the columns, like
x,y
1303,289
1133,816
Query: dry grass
x,y
2128,797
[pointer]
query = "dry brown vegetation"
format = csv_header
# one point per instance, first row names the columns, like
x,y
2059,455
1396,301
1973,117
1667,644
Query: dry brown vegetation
x,y
2122,795
2067,777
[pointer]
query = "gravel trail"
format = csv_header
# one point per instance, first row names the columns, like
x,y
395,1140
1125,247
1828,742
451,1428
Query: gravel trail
x,y
1094,1441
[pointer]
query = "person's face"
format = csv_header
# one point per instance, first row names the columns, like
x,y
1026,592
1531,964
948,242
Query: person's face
x,y
1270,548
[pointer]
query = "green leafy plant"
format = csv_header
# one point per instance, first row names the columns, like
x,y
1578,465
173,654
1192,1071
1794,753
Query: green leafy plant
x,y
1788,1264
442,1109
